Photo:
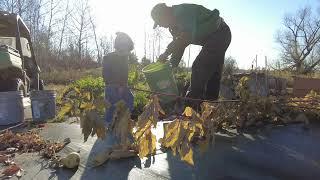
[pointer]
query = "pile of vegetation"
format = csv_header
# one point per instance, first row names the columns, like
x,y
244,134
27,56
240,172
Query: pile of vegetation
x,y
189,130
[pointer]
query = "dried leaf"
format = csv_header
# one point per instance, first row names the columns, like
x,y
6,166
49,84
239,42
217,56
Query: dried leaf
x,y
65,110
3,158
186,154
77,90
92,123
11,170
151,113
147,144
87,106
86,124
188,112
206,110
139,132
121,123
87,96
172,134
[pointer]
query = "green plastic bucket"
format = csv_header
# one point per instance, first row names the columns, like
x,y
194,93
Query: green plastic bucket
x,y
160,79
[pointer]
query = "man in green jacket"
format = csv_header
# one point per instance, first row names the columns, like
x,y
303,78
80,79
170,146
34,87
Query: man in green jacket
x,y
195,24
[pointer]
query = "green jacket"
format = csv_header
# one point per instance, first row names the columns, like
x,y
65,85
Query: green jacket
x,y
197,21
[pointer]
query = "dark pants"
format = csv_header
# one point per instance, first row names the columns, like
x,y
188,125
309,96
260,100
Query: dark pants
x,y
207,67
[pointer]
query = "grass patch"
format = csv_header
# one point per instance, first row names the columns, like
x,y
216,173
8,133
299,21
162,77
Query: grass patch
x,y
66,77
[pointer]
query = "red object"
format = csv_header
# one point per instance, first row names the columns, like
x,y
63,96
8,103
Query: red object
x,y
11,170
41,125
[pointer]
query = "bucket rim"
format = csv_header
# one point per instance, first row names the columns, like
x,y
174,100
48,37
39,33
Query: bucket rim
x,y
148,68
35,92
8,93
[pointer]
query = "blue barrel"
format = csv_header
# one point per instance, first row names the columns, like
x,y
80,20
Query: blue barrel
x,y
11,107
43,104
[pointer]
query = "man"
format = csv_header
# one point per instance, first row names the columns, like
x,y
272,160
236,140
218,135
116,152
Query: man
x,y
195,24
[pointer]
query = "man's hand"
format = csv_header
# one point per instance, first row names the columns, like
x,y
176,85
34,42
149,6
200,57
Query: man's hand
x,y
163,58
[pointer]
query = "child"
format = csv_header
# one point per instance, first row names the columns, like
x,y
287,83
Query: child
x,y
115,74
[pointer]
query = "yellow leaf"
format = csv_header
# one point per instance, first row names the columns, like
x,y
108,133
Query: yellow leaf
x,y
172,134
200,128
157,105
207,110
77,90
174,150
153,143
87,95
188,112
143,147
65,110
147,144
186,154
191,133
140,130
120,123
151,112
86,106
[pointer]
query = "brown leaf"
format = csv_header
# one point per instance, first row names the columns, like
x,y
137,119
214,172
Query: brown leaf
x,y
206,110
121,123
147,144
188,112
151,113
67,108
186,154
86,124
141,130
172,134
3,158
11,170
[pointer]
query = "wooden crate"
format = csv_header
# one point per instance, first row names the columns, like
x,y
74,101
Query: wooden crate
x,y
302,86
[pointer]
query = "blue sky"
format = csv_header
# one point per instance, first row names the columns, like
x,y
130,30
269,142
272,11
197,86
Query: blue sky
x,y
253,23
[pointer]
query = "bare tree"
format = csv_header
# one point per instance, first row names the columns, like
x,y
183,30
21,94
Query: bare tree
x,y
63,28
230,66
96,39
105,45
300,41
8,5
62,31
80,25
